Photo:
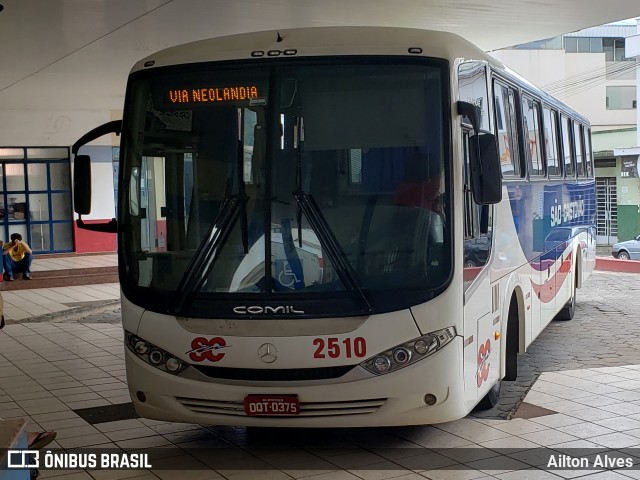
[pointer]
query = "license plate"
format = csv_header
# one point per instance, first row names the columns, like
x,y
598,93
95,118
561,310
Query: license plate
x,y
263,405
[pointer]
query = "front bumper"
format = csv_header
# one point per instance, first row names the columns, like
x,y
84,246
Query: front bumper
x,y
393,399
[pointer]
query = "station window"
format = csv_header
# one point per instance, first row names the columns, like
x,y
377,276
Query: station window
x,y
583,44
589,45
621,97
35,197
614,49
571,44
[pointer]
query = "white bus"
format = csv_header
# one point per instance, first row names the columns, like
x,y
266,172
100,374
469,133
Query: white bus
x,y
332,227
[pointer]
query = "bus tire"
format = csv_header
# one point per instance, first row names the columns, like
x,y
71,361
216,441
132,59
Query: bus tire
x,y
491,399
569,309
513,342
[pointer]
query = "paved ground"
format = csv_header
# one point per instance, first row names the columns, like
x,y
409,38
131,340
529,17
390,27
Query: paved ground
x,y
588,385
25,304
42,263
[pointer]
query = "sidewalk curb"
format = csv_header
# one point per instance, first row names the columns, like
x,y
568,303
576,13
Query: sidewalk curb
x,y
73,314
604,264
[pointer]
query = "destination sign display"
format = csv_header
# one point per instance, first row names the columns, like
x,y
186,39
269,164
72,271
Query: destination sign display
x,y
226,94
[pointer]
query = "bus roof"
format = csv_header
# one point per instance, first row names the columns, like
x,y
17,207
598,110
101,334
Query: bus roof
x,y
319,41
341,40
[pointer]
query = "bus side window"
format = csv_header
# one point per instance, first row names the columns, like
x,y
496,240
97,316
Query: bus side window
x,y
551,142
566,147
531,125
578,143
587,151
506,130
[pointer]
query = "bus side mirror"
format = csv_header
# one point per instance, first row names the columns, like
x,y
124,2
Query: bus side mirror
x,y
484,159
82,178
82,184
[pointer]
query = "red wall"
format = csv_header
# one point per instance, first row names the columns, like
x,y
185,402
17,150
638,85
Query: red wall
x,y
87,241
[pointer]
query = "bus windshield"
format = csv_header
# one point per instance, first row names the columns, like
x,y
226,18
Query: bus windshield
x,y
297,180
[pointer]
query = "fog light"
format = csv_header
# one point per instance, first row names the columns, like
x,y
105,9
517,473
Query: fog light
x,y
141,396
173,364
401,355
381,364
141,347
430,399
156,357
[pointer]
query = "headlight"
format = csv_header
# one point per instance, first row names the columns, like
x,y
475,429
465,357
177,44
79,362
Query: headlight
x,y
141,347
402,355
381,364
153,355
410,352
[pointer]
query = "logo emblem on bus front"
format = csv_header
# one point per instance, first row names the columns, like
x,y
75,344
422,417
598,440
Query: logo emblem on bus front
x,y
268,353
258,310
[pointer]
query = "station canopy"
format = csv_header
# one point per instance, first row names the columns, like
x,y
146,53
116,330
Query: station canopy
x,y
76,54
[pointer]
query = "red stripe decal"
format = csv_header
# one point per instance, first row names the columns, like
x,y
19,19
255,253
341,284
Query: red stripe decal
x,y
549,290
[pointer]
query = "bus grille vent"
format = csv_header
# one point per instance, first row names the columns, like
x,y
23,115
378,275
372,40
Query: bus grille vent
x,y
274,375
315,409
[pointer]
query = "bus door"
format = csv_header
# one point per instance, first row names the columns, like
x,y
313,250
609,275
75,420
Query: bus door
x,y
481,299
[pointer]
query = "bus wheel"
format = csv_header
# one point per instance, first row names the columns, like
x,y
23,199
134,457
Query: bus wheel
x,y
491,399
569,309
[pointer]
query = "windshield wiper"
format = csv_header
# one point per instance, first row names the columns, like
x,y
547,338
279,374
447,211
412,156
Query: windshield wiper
x,y
208,250
331,245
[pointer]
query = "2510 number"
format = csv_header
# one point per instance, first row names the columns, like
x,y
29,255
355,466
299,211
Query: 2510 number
x,y
356,347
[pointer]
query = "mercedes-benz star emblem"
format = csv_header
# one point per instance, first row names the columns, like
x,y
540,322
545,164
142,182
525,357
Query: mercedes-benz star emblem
x,y
268,353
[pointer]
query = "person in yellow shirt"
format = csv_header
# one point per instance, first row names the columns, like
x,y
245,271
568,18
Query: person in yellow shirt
x,y
16,258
